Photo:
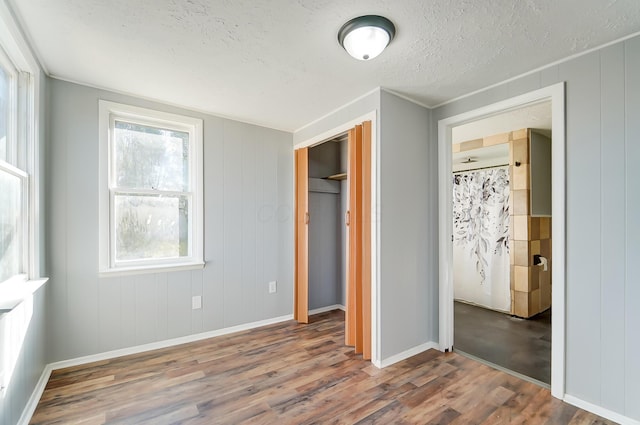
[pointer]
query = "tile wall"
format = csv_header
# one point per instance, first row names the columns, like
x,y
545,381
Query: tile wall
x,y
530,285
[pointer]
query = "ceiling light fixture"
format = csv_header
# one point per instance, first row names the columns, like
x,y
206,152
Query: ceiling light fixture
x,y
365,37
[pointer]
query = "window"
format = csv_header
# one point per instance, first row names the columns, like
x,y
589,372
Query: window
x,y
14,177
151,189
13,223
7,108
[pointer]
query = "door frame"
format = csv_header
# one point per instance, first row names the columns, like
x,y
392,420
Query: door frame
x,y
556,94
375,290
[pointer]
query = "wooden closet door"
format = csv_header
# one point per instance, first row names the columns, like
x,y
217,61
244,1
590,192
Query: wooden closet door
x,y
353,262
358,317
366,240
301,285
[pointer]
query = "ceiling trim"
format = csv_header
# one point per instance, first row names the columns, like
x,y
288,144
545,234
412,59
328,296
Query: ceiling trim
x,y
558,62
328,114
405,97
186,109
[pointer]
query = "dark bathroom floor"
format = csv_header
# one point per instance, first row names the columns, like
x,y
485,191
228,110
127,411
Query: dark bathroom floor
x,y
520,345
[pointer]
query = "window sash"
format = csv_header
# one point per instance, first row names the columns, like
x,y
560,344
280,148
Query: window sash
x,y
114,190
13,115
23,222
149,122
113,233
15,161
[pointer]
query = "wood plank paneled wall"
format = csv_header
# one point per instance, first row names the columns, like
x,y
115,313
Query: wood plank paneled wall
x,y
602,201
248,197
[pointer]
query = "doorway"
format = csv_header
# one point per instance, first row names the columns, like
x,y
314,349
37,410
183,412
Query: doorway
x,y
319,166
501,225
554,94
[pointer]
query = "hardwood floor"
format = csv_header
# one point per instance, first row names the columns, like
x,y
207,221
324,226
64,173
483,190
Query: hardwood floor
x,y
520,345
294,374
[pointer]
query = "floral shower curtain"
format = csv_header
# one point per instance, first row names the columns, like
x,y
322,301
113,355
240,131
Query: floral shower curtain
x,y
481,238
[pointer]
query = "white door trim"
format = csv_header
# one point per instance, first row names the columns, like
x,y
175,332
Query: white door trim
x,y
375,289
556,94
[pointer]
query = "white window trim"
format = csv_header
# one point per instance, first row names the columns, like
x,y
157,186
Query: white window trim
x,y
107,112
28,74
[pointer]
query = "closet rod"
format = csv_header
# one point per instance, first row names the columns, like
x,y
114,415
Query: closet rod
x,y
481,168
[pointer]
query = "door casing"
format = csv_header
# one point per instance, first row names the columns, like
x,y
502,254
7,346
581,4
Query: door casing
x,y
373,266
556,94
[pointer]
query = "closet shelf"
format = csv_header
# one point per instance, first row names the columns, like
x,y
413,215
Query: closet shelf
x,y
323,185
340,176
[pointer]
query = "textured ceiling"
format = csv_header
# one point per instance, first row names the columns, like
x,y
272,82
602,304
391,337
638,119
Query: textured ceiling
x,y
536,116
490,156
278,63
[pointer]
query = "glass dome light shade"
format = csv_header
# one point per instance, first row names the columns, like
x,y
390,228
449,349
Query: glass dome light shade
x,y
365,37
366,43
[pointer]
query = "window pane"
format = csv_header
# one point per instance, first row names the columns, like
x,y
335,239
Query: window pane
x,y
151,157
10,226
5,82
149,227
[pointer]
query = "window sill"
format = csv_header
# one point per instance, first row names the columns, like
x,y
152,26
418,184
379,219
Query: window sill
x,y
128,271
13,293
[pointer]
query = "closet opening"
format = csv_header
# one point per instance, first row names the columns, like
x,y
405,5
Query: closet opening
x,y
333,233
328,205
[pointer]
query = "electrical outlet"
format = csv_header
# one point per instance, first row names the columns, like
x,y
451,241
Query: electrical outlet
x,y
196,302
273,287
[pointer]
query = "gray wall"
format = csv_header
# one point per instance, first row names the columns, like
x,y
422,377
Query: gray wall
x,y
325,230
248,225
324,160
408,239
31,358
540,169
603,230
325,254
354,110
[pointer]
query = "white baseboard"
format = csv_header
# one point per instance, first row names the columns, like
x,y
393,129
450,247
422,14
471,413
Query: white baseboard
x,y
32,403
30,408
166,343
406,354
600,411
327,308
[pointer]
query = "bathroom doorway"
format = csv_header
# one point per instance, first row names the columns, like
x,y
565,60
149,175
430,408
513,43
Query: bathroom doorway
x,y
504,316
501,222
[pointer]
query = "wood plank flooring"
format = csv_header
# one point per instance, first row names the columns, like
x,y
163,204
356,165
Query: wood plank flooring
x,y
294,374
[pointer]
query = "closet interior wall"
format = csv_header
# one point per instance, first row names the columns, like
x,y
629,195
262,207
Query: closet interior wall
x,y
327,232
